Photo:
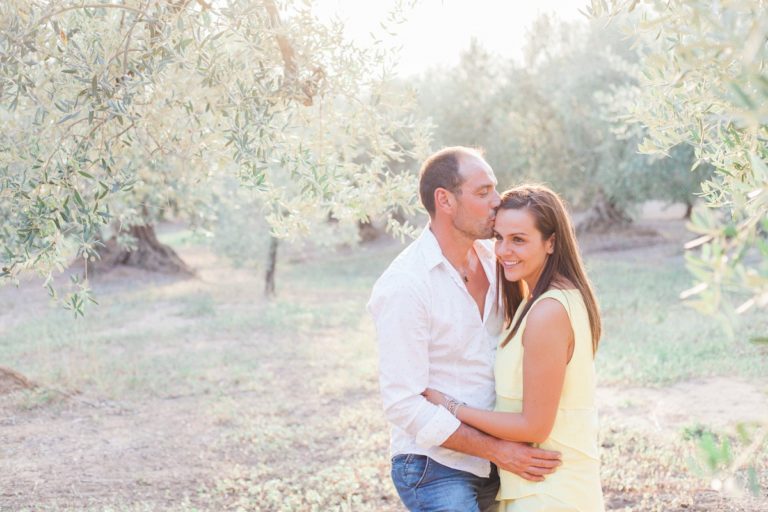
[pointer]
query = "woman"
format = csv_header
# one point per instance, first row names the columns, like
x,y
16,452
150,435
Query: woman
x,y
545,378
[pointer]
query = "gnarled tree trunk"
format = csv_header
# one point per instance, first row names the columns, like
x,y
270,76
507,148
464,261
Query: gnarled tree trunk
x,y
149,253
603,215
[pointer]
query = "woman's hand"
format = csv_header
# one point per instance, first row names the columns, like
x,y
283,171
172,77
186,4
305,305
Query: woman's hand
x,y
435,396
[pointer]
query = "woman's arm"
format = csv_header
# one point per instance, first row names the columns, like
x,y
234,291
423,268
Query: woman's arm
x,y
548,342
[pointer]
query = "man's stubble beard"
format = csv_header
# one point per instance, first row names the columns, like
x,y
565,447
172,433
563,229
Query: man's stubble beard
x,y
473,232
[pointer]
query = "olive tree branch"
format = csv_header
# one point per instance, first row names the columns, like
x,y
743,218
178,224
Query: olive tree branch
x,y
87,6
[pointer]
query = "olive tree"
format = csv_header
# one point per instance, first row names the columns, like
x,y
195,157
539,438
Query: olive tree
x,y
704,84
114,113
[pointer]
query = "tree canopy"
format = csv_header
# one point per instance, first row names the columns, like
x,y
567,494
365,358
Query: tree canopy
x,y
113,112
558,118
704,84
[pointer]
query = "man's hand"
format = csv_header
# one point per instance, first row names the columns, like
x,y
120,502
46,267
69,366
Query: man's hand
x,y
518,458
525,461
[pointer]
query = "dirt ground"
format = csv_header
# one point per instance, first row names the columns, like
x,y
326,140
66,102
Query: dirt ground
x,y
71,449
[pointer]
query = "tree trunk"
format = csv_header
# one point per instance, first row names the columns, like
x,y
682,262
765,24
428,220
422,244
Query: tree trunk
x,y
269,277
688,209
367,231
149,254
602,216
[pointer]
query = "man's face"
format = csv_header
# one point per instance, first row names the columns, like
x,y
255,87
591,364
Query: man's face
x,y
478,199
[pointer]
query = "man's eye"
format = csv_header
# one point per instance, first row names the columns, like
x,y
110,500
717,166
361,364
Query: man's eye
x,y
497,237
518,240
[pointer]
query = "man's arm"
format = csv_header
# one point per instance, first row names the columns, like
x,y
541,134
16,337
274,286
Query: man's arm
x,y
518,458
399,308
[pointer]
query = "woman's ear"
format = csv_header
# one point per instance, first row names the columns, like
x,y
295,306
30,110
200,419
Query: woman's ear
x,y
550,245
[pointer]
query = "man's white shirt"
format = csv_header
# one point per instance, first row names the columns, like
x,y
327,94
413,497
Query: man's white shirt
x,y
430,334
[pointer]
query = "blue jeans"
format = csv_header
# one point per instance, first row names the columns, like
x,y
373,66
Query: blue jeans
x,y
425,485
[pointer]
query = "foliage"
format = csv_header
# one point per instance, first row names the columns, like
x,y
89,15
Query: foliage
x,y
113,113
705,84
721,456
553,118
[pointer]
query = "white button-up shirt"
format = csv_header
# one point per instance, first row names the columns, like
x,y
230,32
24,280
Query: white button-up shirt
x,y
430,334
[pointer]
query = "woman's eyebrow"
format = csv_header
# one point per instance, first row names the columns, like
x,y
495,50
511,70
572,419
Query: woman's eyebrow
x,y
510,234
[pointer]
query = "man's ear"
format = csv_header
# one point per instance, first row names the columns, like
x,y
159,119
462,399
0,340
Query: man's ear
x,y
444,200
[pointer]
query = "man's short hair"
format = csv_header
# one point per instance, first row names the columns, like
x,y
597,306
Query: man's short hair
x,y
441,170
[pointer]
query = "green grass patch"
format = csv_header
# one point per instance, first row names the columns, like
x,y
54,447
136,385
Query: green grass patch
x,y
651,338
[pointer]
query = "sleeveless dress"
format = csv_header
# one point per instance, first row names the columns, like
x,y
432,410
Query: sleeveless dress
x,y
575,485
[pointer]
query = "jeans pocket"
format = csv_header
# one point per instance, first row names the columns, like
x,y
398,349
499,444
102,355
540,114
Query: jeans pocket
x,y
415,469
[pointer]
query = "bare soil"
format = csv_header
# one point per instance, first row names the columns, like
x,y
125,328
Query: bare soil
x,y
717,402
83,452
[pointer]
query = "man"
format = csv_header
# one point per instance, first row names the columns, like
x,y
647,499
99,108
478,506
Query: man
x,y
438,323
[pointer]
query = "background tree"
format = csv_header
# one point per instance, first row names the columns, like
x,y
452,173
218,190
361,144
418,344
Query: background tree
x,y
115,113
554,119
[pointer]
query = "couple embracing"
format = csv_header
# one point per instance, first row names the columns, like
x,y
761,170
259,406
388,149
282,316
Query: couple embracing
x,y
486,350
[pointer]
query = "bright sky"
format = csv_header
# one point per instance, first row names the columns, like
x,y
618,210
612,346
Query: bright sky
x,y
436,31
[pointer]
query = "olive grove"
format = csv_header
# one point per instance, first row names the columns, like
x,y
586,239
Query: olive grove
x,y
558,117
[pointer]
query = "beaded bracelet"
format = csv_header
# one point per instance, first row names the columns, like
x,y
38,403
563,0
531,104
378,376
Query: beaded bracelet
x,y
453,405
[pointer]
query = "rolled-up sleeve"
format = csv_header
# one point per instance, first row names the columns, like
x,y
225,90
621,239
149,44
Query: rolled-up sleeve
x,y
400,310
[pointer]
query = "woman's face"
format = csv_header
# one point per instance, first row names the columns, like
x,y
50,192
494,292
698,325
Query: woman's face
x,y
520,247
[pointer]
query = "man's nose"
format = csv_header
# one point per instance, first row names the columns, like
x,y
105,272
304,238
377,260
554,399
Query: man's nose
x,y
496,199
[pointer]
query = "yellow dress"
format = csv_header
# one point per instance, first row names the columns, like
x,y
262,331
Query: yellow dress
x,y
574,486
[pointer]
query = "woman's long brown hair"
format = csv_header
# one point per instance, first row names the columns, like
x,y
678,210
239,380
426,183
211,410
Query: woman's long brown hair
x,y
550,218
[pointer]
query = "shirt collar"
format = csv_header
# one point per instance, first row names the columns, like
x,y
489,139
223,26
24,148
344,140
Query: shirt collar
x,y
433,255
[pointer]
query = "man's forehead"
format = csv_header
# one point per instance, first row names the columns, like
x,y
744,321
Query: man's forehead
x,y
475,168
